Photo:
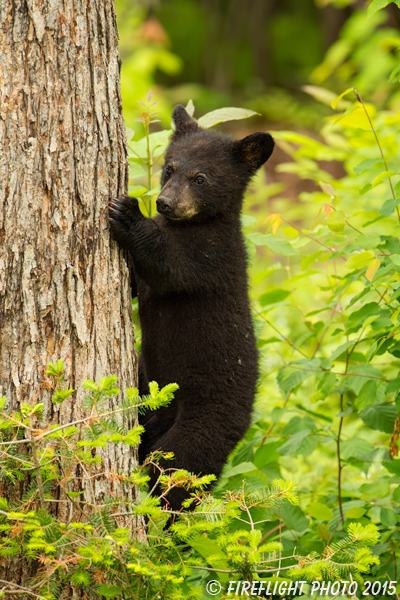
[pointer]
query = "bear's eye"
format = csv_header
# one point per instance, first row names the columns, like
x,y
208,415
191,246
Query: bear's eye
x,y
199,181
168,172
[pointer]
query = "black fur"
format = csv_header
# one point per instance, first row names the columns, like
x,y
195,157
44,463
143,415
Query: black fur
x,y
190,271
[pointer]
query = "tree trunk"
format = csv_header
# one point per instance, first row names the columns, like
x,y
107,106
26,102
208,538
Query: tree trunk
x,y
64,284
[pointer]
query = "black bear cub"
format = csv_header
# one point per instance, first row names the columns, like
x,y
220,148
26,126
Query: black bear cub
x,y
190,274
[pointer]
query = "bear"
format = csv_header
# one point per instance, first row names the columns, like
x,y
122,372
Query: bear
x,y
190,274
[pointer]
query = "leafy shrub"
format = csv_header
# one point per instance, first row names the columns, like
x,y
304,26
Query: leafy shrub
x,y
101,550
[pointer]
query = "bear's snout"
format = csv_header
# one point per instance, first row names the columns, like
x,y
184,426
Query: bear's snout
x,y
164,205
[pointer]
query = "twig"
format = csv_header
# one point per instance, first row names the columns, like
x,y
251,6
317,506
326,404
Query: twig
x,y
379,146
270,532
39,479
345,374
236,571
332,250
387,575
268,433
340,466
19,589
40,436
280,541
280,333
122,563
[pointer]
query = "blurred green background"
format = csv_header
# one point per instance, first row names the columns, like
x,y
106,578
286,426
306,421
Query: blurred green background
x,y
257,53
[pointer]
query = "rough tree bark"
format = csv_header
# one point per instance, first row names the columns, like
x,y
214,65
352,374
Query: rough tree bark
x,y
64,285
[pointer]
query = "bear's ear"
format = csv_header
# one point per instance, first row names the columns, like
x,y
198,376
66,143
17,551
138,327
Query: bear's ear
x,y
183,121
255,149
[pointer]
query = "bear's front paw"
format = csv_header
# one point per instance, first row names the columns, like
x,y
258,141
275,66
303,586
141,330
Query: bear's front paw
x,y
122,213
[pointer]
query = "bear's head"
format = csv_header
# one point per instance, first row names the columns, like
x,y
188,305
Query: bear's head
x,y
205,173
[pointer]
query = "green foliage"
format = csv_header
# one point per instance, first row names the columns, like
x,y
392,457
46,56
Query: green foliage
x,y
333,352
364,56
100,550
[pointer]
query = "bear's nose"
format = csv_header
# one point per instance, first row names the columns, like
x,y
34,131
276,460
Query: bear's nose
x,y
164,204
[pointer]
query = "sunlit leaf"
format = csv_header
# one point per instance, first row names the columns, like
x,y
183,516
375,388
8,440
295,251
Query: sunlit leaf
x,y
319,93
290,232
273,297
319,511
108,591
389,206
355,448
190,108
372,269
222,115
356,512
276,245
336,100
336,221
367,164
377,5
388,517
293,517
361,260
380,416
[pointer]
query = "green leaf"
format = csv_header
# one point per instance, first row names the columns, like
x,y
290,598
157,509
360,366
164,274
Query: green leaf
x,y
313,413
358,317
340,350
392,466
291,376
190,108
267,454
325,385
367,164
335,102
323,95
276,245
355,448
336,221
377,181
367,395
372,269
355,513
396,495
394,74
380,416
293,517
319,511
222,115
211,551
361,260
360,376
388,517
377,5
109,591
308,259
389,206
273,297
324,532
293,444
243,467
248,220
158,142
